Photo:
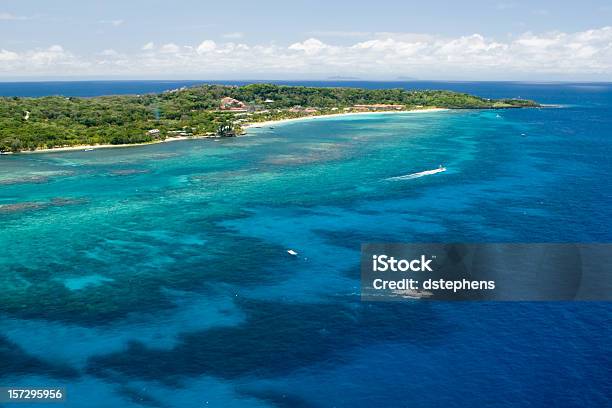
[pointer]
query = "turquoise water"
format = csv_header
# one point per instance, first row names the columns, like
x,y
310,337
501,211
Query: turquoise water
x,y
158,275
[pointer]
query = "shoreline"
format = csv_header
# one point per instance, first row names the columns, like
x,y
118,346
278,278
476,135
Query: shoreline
x,y
107,146
254,125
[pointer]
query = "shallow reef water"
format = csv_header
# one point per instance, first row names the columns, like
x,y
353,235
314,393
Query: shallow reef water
x,y
158,275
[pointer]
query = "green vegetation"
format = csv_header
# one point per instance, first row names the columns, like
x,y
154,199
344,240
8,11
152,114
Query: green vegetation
x,y
54,121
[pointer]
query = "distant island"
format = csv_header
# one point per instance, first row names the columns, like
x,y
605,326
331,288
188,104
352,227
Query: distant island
x,y
201,111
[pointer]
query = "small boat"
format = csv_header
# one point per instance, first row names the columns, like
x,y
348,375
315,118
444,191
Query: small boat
x,y
292,252
440,169
89,149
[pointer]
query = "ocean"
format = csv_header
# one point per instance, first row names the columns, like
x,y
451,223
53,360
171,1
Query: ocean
x,y
158,275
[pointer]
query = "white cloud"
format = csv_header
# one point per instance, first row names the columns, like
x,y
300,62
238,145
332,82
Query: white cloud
x,y
310,46
52,55
8,55
383,55
42,60
389,45
170,48
206,46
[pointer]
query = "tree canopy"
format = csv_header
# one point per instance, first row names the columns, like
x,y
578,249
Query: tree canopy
x,y
52,121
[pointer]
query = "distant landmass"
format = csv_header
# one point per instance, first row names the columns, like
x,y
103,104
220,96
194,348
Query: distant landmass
x,y
201,111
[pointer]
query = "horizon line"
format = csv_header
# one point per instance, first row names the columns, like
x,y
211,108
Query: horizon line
x,y
85,79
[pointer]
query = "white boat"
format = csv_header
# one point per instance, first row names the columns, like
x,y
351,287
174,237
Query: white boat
x,y
89,149
292,252
417,175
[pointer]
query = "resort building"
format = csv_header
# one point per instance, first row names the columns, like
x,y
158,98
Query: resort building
x,y
232,104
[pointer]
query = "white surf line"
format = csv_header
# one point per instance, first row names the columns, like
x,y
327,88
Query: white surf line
x,y
417,175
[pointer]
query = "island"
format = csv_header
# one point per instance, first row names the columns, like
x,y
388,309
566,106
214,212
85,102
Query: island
x,y
30,124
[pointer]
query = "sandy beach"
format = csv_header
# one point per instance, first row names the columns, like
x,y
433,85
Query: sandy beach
x,y
108,146
245,127
333,115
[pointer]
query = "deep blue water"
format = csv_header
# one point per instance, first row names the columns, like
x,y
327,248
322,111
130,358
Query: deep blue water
x,y
545,92
157,275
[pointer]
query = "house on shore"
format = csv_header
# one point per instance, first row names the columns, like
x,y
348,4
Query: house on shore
x,y
231,104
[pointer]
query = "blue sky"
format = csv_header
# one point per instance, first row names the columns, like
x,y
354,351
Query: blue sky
x,y
306,39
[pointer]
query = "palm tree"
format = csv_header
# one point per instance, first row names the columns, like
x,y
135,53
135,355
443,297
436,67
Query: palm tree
x,y
226,129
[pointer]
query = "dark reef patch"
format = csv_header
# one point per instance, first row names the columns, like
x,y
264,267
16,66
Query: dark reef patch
x,y
39,205
21,207
280,399
16,362
25,180
134,395
276,339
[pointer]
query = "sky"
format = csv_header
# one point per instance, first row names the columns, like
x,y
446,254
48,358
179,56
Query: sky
x,y
538,40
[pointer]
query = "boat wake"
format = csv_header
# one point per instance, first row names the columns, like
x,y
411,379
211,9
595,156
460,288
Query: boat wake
x,y
417,175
